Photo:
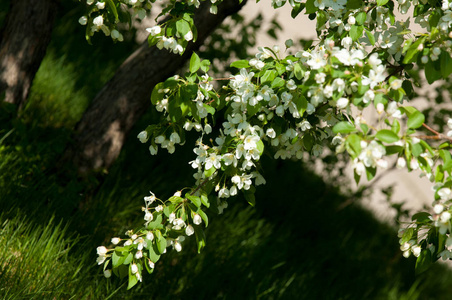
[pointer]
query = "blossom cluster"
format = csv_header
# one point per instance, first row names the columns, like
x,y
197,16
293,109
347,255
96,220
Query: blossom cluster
x,y
100,15
292,105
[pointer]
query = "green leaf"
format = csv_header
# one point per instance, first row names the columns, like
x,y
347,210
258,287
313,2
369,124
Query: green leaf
x,y
439,174
310,7
344,127
407,234
441,241
296,10
200,238
447,160
174,110
356,177
301,103
371,37
423,262
123,271
260,147
431,73
409,110
395,126
240,64
205,65
354,4
393,149
387,136
252,110
415,120
356,31
132,279
382,2
298,71
421,217
195,63
280,68
209,109
380,98
209,172
175,199
161,241
308,141
194,199
203,216
413,51
361,17
446,64
278,82
250,198
370,173
444,145
156,223
128,259
148,268
268,76
416,149
156,96
113,9
408,88
182,27
364,128
117,259
153,255
205,200
355,143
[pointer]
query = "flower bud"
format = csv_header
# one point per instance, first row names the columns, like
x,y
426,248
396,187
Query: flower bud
x,y
101,250
438,208
197,219
143,136
289,43
134,268
401,163
189,230
342,103
83,20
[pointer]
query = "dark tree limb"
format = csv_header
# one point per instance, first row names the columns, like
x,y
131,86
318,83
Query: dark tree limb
x,y
23,43
100,134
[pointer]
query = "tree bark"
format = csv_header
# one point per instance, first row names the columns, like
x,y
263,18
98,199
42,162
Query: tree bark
x,y
100,134
23,43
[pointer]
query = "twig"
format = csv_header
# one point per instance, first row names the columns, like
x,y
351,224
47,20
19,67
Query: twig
x,y
437,136
431,130
199,186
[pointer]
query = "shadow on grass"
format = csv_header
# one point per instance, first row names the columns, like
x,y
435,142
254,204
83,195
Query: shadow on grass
x,y
295,244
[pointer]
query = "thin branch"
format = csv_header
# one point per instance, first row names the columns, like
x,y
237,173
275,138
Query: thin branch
x,y
199,186
437,136
430,129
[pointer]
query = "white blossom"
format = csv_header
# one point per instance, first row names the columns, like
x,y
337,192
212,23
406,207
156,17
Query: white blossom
x,y
197,219
189,230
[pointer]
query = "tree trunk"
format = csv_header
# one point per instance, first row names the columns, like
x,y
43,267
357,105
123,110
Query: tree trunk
x,y
23,43
101,132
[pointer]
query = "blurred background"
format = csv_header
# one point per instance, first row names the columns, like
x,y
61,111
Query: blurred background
x,y
307,238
